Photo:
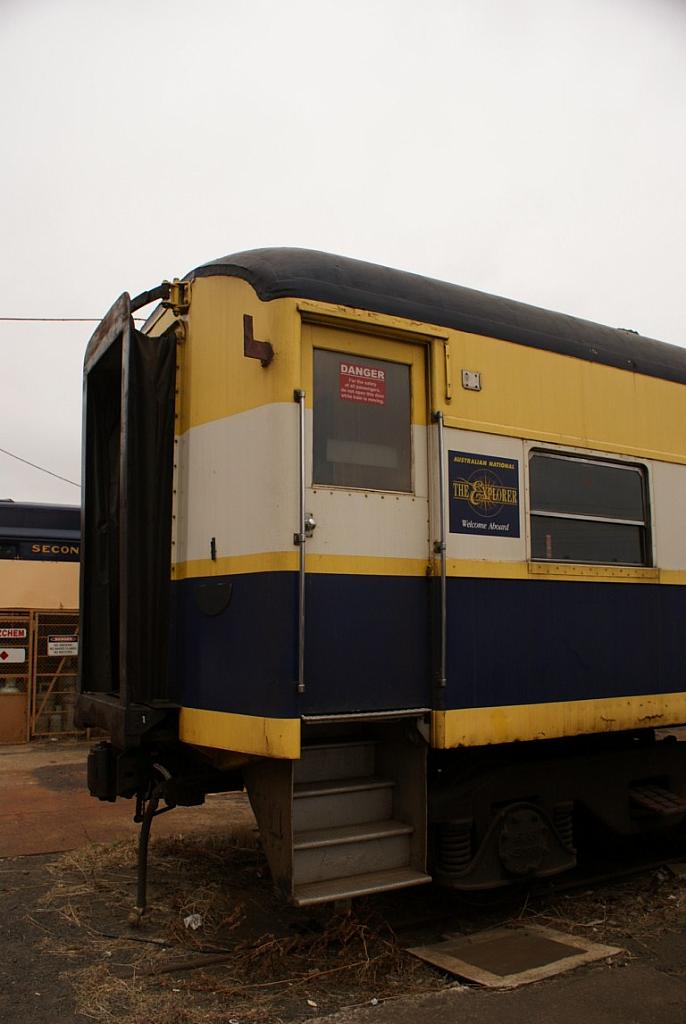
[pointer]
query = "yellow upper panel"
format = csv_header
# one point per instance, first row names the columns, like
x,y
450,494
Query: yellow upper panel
x,y
218,380
544,396
525,392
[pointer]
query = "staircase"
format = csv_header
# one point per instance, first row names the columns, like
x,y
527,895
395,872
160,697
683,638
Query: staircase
x,y
351,831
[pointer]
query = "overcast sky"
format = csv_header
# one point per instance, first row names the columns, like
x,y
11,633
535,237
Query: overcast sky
x,y
529,148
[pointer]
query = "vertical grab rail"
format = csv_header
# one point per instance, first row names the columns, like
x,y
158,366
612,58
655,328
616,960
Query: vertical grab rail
x,y
299,539
440,548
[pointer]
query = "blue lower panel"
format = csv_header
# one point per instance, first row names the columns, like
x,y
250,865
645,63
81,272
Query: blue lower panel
x,y
240,657
535,641
368,642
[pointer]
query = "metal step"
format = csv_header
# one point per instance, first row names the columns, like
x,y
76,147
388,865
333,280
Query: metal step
x,y
350,850
655,800
334,761
319,837
332,802
358,885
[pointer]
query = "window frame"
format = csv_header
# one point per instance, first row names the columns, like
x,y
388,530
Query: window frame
x,y
644,525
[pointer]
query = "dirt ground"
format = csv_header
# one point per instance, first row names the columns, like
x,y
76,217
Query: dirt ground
x,y
45,806
69,954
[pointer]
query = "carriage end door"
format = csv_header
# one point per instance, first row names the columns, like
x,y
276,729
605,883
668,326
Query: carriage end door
x,y
367,490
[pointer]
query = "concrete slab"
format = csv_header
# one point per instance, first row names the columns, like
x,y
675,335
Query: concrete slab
x,y
511,957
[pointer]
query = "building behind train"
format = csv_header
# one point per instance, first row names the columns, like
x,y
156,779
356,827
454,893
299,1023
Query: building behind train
x,y
39,587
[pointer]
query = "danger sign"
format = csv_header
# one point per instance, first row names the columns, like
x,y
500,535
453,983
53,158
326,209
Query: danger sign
x,y
13,632
360,383
63,646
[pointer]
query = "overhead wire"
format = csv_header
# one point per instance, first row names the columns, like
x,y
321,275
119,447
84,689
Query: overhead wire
x,y
51,320
41,468
57,319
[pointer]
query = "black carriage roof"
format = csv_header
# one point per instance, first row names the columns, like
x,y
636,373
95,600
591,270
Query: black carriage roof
x,y
32,519
307,274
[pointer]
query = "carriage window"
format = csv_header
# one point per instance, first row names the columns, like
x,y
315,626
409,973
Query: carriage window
x,y
362,423
587,511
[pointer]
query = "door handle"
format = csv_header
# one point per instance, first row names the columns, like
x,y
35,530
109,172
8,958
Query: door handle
x,y
310,524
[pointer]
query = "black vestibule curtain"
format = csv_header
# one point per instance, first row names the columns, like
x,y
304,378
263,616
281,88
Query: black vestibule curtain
x,y
126,518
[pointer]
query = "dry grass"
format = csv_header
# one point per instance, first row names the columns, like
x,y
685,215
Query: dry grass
x,y
639,909
252,959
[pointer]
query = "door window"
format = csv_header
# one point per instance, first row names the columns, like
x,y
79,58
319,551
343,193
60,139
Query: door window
x,y
362,422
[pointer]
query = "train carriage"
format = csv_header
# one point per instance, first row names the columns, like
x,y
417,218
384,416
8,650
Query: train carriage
x,y
426,585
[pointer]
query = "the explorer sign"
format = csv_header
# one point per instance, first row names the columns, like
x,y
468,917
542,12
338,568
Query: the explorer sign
x,y
484,494
360,383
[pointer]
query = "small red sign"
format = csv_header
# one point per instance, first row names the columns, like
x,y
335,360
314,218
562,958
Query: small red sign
x,y
359,383
13,632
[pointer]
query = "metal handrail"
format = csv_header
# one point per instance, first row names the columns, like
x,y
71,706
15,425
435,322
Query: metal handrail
x,y
300,538
440,548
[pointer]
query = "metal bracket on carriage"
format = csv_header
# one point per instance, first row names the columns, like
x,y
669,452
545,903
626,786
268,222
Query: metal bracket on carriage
x,y
262,350
178,297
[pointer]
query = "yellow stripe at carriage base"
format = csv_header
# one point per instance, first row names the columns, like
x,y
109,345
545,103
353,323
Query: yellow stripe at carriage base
x,y
245,734
280,737
469,727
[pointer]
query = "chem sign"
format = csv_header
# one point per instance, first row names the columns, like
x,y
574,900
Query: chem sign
x,y
483,494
